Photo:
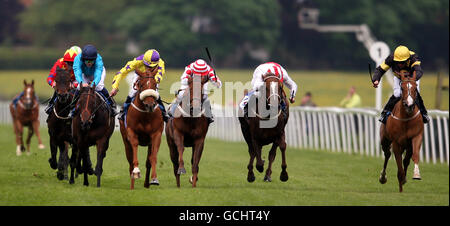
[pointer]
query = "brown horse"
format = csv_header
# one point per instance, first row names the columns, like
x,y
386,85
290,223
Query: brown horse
x,y
25,113
144,126
59,124
92,124
188,130
404,130
257,136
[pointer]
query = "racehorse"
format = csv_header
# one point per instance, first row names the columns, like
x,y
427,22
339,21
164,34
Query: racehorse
x,y
59,124
404,130
25,113
143,126
256,137
188,130
92,124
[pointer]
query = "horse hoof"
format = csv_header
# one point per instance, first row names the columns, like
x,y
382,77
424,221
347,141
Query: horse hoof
x,y
60,176
41,146
383,180
251,178
284,176
260,168
181,171
267,179
417,178
154,182
71,182
136,174
53,163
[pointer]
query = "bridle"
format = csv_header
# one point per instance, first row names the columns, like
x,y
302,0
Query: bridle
x,y
138,86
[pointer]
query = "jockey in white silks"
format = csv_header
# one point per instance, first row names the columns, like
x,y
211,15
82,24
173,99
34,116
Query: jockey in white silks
x,y
258,81
200,68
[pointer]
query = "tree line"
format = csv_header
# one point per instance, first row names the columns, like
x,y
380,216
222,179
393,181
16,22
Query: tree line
x,y
239,33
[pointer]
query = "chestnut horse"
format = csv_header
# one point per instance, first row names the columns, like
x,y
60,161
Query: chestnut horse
x,y
188,130
257,136
25,113
59,124
143,126
404,130
92,124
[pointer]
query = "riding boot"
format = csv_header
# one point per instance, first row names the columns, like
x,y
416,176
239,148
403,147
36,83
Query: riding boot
x,y
388,108
124,110
163,109
75,98
208,110
174,105
50,105
109,101
422,108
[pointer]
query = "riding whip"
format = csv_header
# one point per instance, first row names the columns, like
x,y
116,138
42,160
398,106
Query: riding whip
x,y
211,62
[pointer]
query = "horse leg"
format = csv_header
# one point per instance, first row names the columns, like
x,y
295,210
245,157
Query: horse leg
x,y
257,150
407,159
251,175
133,140
53,152
400,172
179,141
386,147
174,158
272,154
156,142
35,125
102,147
73,163
416,143
19,141
28,141
62,160
196,154
284,175
86,164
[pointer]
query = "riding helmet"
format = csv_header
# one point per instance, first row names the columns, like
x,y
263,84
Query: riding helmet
x,y
89,52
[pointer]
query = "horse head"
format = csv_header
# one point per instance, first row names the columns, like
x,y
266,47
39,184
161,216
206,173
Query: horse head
x,y
86,106
146,86
196,81
62,84
409,90
273,88
28,99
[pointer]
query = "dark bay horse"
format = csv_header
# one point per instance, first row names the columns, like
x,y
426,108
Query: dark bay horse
x,y
92,124
404,130
144,126
257,136
188,130
25,113
59,124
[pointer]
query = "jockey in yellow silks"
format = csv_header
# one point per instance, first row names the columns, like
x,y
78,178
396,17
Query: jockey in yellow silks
x,y
150,60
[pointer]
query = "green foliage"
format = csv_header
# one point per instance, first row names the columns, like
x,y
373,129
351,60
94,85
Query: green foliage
x,y
232,28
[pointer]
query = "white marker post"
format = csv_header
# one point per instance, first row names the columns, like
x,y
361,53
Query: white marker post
x,y
378,52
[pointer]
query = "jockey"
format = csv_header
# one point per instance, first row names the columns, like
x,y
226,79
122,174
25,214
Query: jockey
x,y
150,60
88,69
198,67
66,63
258,81
401,59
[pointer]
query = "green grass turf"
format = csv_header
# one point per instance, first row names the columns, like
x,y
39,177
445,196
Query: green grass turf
x,y
315,178
328,88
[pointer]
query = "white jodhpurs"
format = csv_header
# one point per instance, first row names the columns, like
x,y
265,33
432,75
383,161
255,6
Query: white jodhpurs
x,y
89,79
398,88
